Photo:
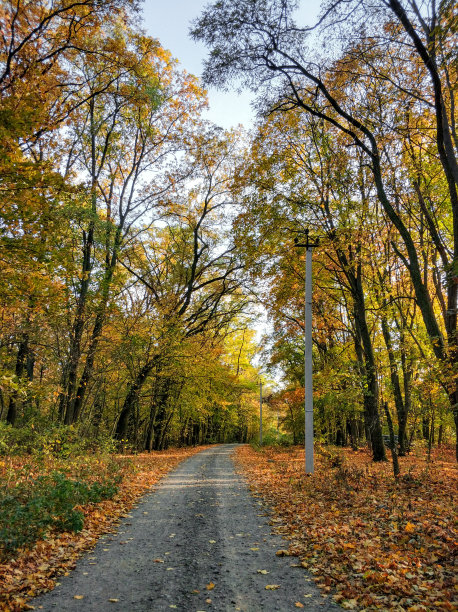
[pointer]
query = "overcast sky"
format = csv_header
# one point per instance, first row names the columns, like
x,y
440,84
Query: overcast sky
x,y
169,21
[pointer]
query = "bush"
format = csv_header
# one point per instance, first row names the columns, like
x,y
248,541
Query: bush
x,y
62,441
274,438
30,509
16,440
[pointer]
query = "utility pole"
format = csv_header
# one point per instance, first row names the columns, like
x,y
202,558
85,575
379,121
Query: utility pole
x,y
260,413
308,383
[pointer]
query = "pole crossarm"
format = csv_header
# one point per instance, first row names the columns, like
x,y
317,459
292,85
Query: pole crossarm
x,y
308,243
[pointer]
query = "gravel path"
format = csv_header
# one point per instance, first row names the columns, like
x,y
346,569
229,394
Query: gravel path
x,y
200,527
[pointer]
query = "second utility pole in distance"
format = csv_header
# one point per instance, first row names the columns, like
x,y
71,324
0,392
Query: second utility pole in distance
x,y
308,382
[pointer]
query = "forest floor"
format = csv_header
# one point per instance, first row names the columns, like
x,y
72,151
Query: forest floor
x,y
372,542
30,570
369,541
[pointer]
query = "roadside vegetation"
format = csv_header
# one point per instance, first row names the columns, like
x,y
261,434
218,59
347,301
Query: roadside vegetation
x,y
57,501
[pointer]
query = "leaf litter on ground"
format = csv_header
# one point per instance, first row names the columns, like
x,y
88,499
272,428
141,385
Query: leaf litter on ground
x,y
30,571
370,541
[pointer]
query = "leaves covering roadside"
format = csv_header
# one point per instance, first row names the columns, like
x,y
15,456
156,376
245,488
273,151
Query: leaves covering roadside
x,y
372,543
35,569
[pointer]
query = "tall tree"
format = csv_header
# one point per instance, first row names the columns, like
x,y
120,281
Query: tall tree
x,y
259,41
190,269
124,139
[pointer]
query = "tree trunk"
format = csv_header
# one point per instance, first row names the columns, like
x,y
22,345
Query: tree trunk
x,y
161,411
400,404
353,431
98,327
150,427
371,392
406,363
132,397
425,427
70,370
394,454
164,432
440,434
21,359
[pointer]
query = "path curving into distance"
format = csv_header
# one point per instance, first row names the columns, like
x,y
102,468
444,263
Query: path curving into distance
x,y
197,528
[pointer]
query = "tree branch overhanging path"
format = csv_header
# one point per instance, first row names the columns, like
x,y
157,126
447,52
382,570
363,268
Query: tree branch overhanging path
x,y
259,43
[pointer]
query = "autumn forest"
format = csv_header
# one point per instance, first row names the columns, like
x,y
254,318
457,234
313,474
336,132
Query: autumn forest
x,y
142,246
139,242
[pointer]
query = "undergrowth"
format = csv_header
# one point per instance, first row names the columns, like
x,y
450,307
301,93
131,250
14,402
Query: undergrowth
x,y
29,509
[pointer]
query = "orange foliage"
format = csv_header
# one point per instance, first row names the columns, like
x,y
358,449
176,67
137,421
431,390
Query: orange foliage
x,y
372,542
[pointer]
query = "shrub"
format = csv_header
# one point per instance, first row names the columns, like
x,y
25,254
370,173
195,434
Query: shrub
x,y
16,440
30,509
277,438
273,438
62,441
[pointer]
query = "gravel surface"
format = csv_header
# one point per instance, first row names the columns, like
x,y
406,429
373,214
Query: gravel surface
x,y
197,542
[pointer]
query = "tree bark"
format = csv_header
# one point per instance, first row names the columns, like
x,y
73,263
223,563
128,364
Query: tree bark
x,y
21,360
371,391
86,376
394,454
401,407
131,398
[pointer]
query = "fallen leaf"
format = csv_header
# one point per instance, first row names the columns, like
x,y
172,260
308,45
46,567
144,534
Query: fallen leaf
x,y
113,600
263,572
298,604
78,596
282,553
210,586
272,587
350,604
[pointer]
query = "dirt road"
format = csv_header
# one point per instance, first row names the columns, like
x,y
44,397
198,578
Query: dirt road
x,y
198,542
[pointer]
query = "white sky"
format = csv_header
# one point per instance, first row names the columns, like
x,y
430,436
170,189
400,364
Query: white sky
x,y
169,21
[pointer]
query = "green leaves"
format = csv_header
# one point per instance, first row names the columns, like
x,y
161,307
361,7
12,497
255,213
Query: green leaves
x,y
30,509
